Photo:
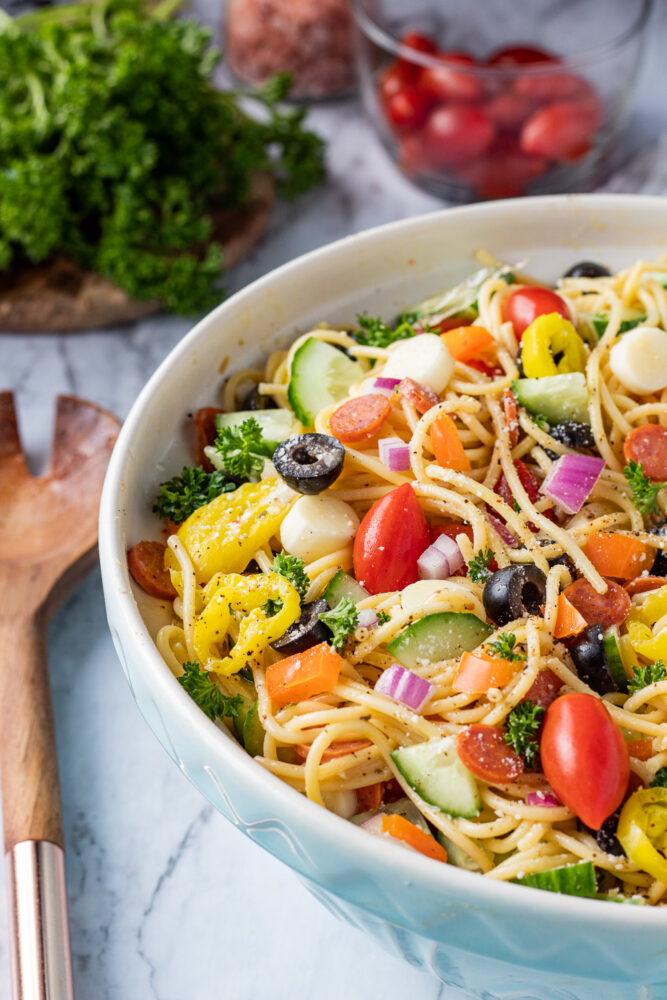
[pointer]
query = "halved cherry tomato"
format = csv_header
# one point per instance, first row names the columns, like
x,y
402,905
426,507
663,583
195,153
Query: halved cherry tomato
x,y
525,304
369,797
339,748
304,675
359,418
647,445
408,109
511,411
642,584
493,371
519,55
599,609
545,688
390,540
641,749
466,342
619,556
444,83
569,621
447,446
206,433
477,673
561,131
145,561
402,829
584,757
457,133
422,397
484,751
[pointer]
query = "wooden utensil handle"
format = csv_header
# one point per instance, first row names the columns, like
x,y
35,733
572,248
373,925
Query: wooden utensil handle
x,y
31,806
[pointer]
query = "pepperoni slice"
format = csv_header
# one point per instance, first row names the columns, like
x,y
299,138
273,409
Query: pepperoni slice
x,y
641,584
511,416
370,797
544,689
359,418
647,445
206,433
484,751
145,562
599,609
336,749
422,397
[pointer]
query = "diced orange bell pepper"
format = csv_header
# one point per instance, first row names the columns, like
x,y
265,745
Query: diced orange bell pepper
x,y
304,675
477,673
447,446
467,342
641,749
569,621
620,557
402,829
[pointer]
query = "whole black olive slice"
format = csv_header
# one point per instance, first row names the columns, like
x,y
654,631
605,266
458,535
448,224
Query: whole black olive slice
x,y
587,269
309,463
573,435
514,592
306,632
591,663
659,567
606,838
255,400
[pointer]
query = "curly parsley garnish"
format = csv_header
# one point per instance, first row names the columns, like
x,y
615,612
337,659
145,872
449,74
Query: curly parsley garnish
x,y
479,565
383,617
375,332
292,568
652,673
523,724
504,647
644,492
194,488
242,449
206,693
342,620
660,778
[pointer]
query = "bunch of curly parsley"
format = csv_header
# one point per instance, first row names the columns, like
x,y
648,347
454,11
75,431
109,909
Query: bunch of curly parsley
x,y
115,149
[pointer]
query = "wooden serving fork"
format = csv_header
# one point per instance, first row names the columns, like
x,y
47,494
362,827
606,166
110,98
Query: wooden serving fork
x,y
48,541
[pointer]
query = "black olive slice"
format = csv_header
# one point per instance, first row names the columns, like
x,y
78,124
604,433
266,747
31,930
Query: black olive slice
x,y
573,435
307,631
309,463
255,400
659,567
587,269
514,592
591,663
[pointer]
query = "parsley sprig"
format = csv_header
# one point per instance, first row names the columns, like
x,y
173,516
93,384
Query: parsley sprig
x,y
504,647
644,492
660,778
241,449
206,693
292,568
652,673
478,567
523,724
375,332
383,617
342,620
194,488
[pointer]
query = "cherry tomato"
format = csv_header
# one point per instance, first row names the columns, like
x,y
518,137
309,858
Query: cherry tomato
x,y
561,131
422,43
525,304
648,445
412,160
484,751
444,83
509,111
545,688
529,482
607,609
390,539
556,86
493,371
408,109
519,55
502,173
395,78
585,757
457,133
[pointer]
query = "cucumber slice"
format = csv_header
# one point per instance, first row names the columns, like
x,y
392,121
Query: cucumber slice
x,y
436,772
277,426
573,880
457,856
343,585
612,654
439,636
402,807
253,732
556,397
320,376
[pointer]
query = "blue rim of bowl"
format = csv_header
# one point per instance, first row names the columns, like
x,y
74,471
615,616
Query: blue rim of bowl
x,y
340,833
372,30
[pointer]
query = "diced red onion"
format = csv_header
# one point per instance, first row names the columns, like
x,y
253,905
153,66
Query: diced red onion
x,y
542,799
404,686
571,479
385,383
367,618
504,532
394,453
373,824
433,564
449,547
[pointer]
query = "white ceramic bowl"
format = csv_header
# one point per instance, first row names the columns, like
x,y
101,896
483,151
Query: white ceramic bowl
x,y
496,940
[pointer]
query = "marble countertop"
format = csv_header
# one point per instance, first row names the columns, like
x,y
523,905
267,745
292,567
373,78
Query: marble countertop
x,y
167,900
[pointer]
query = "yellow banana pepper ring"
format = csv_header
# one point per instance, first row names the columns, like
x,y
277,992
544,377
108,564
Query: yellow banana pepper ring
x,y
642,831
547,338
644,615
227,593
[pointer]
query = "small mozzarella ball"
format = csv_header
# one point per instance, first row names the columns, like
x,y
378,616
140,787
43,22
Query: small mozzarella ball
x,y
415,595
343,803
423,358
317,526
639,359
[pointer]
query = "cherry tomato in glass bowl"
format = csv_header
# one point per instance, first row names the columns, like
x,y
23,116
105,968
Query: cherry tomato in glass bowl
x,y
502,172
457,133
525,304
562,131
408,109
556,86
508,111
520,55
422,43
389,541
396,77
445,83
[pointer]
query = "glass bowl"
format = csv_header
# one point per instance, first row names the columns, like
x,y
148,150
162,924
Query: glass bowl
x,y
499,98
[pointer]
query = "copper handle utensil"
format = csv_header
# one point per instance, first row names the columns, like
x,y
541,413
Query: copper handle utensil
x,y
48,541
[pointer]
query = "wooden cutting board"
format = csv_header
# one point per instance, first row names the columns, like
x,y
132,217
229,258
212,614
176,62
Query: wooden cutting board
x,y
60,297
